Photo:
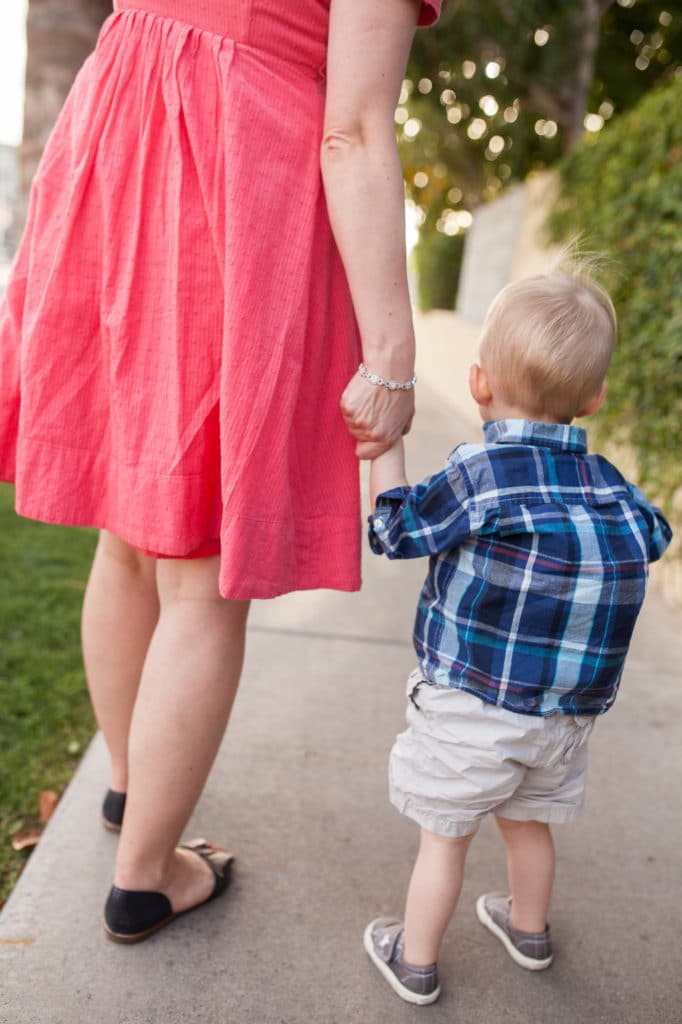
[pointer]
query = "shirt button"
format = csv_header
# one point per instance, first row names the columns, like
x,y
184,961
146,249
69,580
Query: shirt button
x,y
378,523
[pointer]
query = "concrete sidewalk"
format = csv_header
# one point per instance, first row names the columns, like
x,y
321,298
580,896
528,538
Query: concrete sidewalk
x,y
299,793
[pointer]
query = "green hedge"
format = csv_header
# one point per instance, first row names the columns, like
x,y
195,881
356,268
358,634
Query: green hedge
x,y
621,191
438,261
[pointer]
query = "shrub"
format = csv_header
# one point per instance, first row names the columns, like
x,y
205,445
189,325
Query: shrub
x,y
621,191
438,260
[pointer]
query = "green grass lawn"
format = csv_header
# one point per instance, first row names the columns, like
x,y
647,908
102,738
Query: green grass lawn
x,y
45,715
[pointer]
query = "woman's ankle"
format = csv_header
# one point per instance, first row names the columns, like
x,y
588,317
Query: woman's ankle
x,y
145,874
118,778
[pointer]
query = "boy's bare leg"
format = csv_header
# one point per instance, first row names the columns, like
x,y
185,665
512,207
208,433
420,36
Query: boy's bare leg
x,y
432,895
530,868
120,612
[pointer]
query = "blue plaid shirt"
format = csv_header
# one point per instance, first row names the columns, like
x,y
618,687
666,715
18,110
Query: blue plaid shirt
x,y
539,559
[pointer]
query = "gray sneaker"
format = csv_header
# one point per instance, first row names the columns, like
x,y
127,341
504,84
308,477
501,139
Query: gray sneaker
x,y
532,950
383,941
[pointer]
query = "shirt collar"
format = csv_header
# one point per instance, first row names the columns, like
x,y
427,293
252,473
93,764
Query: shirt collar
x,y
560,436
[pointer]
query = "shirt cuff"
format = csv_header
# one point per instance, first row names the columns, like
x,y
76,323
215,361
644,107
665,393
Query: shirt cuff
x,y
387,504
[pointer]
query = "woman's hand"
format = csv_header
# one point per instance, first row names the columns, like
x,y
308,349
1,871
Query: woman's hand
x,y
375,416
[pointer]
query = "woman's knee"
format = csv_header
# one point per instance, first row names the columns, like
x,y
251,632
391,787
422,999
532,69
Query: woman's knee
x,y
115,548
195,579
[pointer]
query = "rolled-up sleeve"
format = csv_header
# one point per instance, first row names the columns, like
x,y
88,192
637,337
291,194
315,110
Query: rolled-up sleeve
x,y
660,533
432,516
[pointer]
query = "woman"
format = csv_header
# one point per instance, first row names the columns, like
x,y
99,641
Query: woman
x,y
176,338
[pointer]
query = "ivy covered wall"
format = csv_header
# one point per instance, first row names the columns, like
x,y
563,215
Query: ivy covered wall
x,y
622,193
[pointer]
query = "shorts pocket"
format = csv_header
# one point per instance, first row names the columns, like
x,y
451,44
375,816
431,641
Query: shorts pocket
x,y
578,737
415,681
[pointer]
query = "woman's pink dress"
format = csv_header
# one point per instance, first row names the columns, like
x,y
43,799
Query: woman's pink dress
x,y
177,330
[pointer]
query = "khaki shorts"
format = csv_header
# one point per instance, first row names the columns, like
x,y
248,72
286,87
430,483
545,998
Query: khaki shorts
x,y
460,759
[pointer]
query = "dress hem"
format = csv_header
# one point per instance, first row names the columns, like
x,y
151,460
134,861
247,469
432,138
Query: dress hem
x,y
234,584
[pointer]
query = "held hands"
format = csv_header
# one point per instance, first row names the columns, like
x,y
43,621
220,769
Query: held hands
x,y
375,416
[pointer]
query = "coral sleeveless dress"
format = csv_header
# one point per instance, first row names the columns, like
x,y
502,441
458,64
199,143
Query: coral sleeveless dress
x,y
177,330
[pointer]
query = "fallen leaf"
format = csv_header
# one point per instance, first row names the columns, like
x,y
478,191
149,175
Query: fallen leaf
x,y
24,840
48,800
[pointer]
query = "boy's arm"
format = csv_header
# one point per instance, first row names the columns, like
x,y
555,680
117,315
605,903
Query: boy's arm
x,y
660,533
409,522
388,471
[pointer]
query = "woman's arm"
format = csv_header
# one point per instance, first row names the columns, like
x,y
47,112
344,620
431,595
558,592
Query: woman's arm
x,y
368,48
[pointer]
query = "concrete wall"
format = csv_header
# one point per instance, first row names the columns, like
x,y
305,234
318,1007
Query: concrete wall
x,y
489,253
505,242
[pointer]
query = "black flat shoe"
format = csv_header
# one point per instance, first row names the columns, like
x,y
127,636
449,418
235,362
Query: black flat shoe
x,y
112,810
131,915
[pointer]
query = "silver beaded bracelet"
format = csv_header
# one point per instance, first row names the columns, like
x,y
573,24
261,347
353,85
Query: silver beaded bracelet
x,y
392,385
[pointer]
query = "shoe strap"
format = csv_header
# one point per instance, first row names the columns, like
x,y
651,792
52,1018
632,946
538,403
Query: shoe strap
x,y
390,945
217,858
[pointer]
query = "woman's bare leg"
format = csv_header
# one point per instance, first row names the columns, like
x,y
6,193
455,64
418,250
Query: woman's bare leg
x,y
120,612
188,685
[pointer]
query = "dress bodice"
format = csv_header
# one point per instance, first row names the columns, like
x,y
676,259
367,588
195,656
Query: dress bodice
x,y
296,32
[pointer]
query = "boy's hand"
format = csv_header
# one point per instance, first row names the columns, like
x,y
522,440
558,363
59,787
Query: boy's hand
x,y
388,471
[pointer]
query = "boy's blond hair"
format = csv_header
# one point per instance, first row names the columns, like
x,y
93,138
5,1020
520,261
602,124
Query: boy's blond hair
x,y
547,342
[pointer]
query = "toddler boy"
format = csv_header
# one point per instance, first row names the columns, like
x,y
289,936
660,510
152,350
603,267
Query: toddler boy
x,y
539,558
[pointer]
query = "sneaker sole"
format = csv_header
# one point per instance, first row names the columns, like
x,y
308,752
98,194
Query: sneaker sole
x,y
523,961
401,990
